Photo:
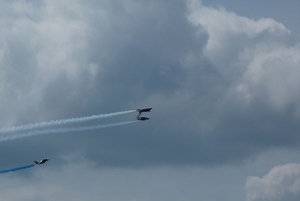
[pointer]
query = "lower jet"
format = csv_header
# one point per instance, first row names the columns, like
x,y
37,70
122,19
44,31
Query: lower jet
x,y
44,160
142,118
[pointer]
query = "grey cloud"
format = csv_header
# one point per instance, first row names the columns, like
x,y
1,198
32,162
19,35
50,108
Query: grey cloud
x,y
109,56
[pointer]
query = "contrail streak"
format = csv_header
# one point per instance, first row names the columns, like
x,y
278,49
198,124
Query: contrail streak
x,y
16,169
60,130
61,122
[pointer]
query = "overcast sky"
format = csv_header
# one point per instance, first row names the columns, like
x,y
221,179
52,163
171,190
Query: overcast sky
x,y
222,77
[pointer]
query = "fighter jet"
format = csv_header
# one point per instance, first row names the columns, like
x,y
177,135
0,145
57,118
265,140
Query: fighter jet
x,y
148,109
44,160
142,118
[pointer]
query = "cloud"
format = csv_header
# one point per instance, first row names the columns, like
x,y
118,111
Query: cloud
x,y
223,87
81,181
281,183
257,57
257,61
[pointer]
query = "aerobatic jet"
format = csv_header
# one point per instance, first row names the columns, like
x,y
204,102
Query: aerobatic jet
x,y
142,118
148,109
44,160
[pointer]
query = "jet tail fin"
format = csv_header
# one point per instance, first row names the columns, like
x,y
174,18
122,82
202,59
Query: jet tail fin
x,y
36,162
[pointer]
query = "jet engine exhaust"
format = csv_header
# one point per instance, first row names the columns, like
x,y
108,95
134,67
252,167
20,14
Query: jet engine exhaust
x,y
60,130
62,121
16,169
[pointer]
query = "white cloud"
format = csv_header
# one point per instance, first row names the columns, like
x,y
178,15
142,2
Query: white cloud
x,y
258,57
274,73
282,183
227,29
42,42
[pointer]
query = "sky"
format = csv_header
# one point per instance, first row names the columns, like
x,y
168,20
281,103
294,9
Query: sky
x,y
222,78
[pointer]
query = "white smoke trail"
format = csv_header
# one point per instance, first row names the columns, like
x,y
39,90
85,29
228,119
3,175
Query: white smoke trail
x,y
61,122
60,130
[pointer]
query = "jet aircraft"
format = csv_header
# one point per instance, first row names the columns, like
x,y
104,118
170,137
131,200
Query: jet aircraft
x,y
148,109
142,118
44,160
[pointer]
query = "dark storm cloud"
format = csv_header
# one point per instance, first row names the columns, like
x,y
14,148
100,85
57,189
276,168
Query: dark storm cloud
x,y
142,49
213,101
